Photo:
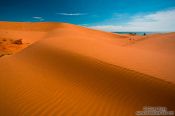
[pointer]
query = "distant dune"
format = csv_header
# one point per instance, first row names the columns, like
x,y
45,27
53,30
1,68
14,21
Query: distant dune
x,y
71,70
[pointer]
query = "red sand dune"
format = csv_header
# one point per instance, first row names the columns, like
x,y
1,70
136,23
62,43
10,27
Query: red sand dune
x,y
72,70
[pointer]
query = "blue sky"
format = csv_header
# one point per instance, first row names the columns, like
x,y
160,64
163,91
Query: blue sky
x,y
108,15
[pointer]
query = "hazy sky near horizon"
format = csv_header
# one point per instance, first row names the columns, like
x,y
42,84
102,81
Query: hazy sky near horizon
x,y
108,15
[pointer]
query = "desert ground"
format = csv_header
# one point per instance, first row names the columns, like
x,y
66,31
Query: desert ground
x,y
60,69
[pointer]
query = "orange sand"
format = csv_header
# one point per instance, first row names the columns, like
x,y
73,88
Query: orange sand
x,y
72,70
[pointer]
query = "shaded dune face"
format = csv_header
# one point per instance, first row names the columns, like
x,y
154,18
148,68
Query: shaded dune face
x,y
71,70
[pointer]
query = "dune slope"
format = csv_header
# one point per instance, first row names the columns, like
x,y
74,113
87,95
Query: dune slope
x,y
45,81
152,55
72,70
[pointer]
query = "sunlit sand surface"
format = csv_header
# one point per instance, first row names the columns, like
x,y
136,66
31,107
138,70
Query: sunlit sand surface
x,y
67,70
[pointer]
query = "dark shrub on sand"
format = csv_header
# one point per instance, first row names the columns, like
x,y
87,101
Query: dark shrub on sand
x,y
18,41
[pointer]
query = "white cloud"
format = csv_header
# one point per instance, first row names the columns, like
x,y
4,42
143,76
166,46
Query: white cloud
x,y
71,14
158,21
39,18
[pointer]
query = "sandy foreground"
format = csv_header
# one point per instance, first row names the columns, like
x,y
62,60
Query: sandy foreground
x,y
67,70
